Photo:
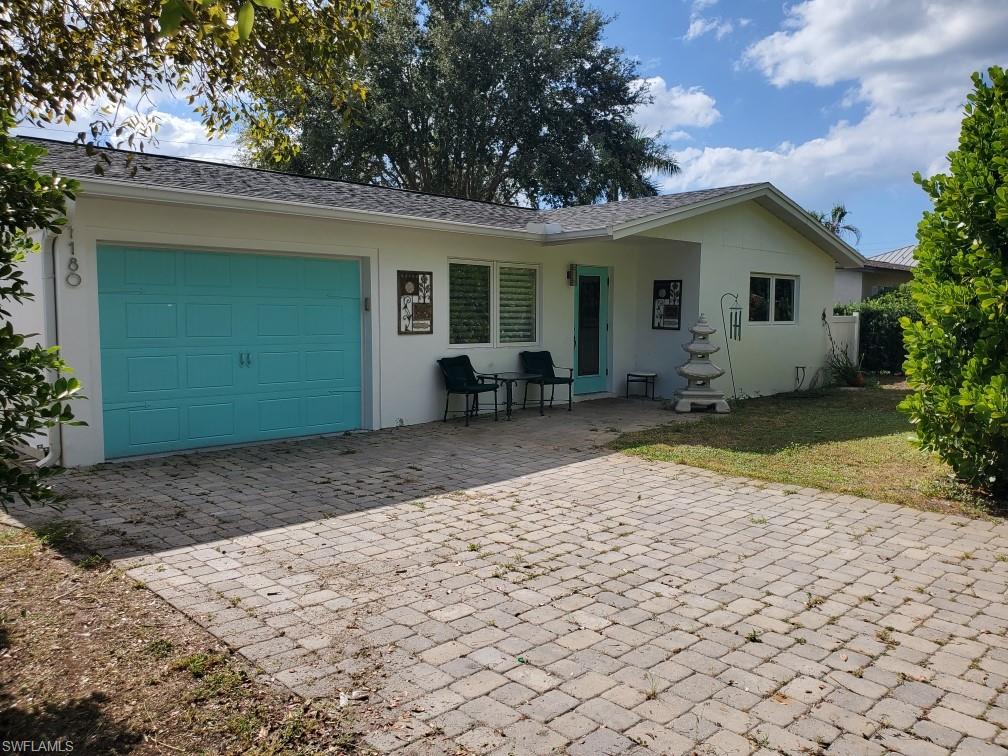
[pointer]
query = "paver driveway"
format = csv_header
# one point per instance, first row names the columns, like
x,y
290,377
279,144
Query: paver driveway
x,y
514,586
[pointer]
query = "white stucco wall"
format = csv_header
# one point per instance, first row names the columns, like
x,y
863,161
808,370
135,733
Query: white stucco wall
x,y
400,381
401,384
741,240
29,316
660,350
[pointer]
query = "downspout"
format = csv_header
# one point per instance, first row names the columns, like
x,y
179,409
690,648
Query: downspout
x,y
50,337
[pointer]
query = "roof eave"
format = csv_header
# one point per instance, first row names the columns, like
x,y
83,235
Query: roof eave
x,y
771,199
110,189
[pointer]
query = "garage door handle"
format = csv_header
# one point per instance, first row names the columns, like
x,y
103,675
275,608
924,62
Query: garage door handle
x,y
248,359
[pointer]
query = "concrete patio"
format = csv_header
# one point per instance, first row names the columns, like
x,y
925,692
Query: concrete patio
x,y
515,587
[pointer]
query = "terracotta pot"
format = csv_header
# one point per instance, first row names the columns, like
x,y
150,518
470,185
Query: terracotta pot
x,y
859,380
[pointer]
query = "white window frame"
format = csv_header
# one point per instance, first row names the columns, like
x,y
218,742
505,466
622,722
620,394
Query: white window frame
x,y
538,307
495,266
773,298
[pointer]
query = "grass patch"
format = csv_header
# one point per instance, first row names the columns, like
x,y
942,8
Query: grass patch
x,y
851,442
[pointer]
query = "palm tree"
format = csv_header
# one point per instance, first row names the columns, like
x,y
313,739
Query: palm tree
x,y
629,163
834,222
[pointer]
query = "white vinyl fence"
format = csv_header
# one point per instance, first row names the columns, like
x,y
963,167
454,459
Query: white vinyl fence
x,y
845,330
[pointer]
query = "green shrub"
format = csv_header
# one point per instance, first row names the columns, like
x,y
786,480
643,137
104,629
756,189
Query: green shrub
x,y
880,331
957,352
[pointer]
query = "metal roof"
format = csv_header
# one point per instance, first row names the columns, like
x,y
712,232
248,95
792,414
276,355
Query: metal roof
x,y
901,258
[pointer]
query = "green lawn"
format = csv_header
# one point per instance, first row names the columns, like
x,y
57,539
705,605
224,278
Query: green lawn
x,y
853,442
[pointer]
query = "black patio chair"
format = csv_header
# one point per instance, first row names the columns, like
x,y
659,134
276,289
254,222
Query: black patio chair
x,y
460,378
542,364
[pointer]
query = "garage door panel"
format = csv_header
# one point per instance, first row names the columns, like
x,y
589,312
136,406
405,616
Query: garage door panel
x,y
332,279
212,421
151,320
210,371
207,270
174,367
278,367
326,409
325,365
153,426
209,320
278,320
154,373
150,267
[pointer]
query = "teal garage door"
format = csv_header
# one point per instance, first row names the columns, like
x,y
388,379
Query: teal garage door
x,y
203,349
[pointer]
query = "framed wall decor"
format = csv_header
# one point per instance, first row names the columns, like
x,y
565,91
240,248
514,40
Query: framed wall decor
x,y
666,312
415,302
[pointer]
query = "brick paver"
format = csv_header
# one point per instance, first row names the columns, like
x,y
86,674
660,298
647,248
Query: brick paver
x,y
522,589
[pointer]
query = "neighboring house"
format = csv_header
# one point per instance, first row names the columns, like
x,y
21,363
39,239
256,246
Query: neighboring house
x,y
879,274
204,304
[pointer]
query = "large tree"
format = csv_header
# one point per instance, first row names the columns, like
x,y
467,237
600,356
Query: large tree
x,y
957,351
59,55
221,55
498,100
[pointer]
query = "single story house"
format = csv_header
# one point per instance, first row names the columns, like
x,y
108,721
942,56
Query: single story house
x,y
203,304
879,274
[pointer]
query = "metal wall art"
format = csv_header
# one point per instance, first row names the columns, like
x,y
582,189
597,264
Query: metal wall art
x,y
666,313
415,302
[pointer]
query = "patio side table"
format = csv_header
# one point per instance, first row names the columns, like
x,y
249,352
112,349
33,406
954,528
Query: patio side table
x,y
647,377
509,379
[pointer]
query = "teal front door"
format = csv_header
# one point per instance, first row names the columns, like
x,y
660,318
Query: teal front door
x,y
204,349
591,332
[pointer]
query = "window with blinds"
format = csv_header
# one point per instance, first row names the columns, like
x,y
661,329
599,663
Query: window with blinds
x,y
517,304
469,303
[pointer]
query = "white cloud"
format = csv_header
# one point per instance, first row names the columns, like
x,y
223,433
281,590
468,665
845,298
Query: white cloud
x,y
178,135
908,54
882,148
675,106
700,25
906,61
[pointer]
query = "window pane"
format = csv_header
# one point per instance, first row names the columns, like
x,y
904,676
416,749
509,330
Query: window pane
x,y
783,299
589,320
759,298
468,303
517,305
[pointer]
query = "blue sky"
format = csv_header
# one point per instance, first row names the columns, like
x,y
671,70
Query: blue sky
x,y
831,100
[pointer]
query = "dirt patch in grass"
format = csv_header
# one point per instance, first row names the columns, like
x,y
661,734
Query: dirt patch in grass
x,y
89,656
850,441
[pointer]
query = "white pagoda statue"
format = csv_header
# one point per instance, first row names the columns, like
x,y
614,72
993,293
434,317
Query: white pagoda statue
x,y
699,371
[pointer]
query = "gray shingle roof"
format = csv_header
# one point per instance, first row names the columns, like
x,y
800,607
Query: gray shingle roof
x,y
180,173
583,217
901,258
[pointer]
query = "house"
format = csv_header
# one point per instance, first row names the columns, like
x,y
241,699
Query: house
x,y
204,304
879,274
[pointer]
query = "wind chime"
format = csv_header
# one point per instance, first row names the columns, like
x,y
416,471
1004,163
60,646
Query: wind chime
x,y
733,332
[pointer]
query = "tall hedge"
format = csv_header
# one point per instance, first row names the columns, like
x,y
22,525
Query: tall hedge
x,y
881,333
957,352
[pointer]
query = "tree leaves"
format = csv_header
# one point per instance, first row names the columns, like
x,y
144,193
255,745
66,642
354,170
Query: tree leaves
x,y
31,401
957,359
218,54
495,100
246,17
